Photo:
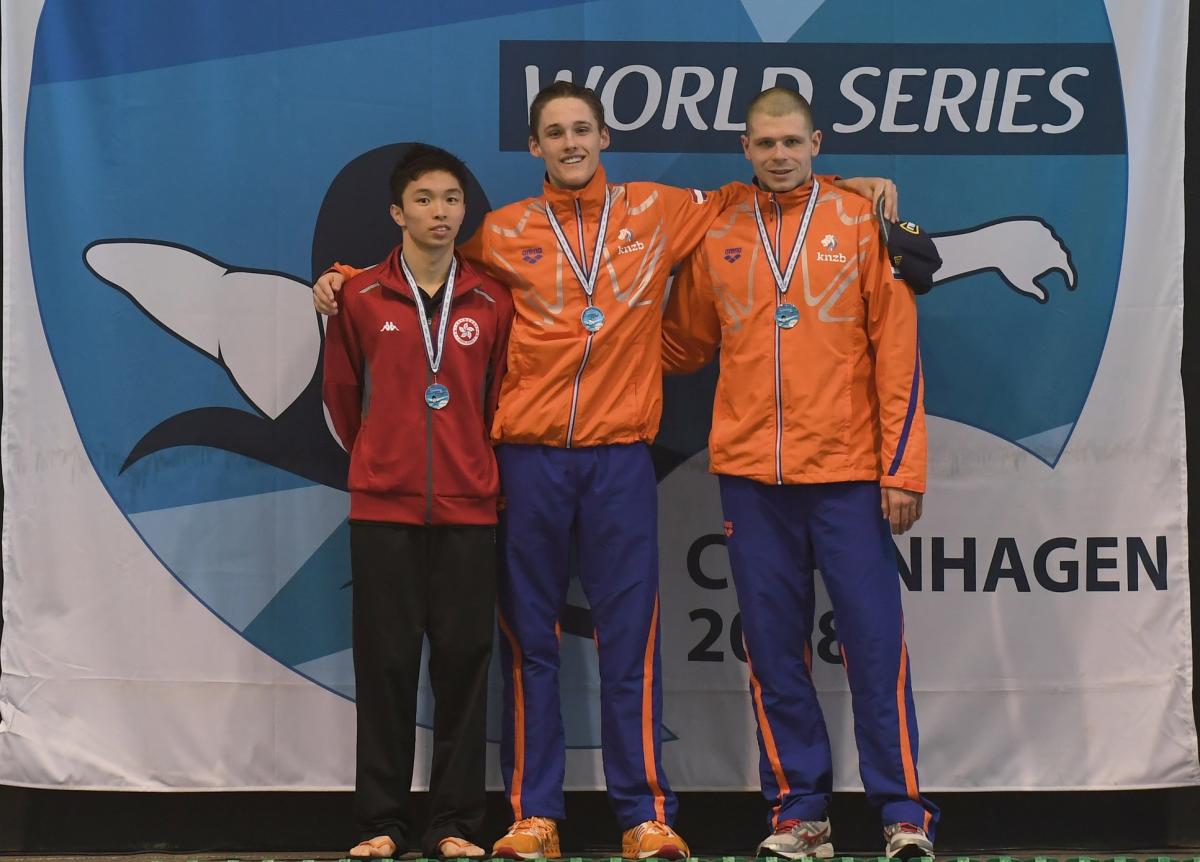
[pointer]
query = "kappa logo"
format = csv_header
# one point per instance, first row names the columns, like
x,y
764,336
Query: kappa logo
x,y
728,529
733,255
466,331
829,242
389,327
531,255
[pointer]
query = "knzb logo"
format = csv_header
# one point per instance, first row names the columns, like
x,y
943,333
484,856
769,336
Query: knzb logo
x,y
625,235
829,243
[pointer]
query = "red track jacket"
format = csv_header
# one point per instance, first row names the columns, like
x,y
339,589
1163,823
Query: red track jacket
x,y
409,463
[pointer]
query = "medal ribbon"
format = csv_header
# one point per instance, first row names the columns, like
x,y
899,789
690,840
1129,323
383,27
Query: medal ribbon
x,y
435,359
587,279
783,280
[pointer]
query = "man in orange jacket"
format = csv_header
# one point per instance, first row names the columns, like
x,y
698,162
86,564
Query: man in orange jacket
x,y
818,428
587,262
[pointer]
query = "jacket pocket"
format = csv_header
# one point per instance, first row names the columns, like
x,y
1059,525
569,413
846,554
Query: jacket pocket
x,y
382,462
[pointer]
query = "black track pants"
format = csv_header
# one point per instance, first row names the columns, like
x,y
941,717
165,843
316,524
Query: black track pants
x,y
411,581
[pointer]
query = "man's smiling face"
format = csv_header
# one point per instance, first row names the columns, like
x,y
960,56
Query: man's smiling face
x,y
781,149
569,139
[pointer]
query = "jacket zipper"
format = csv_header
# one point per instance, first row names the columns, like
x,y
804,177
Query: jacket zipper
x,y
778,374
587,347
428,452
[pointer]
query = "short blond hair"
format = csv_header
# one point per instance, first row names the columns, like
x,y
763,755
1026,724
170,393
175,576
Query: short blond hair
x,y
778,102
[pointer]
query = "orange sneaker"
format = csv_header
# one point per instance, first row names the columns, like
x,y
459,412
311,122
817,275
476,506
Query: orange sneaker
x,y
653,839
529,838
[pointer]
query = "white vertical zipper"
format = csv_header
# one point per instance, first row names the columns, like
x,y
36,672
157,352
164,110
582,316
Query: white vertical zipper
x,y
778,373
587,347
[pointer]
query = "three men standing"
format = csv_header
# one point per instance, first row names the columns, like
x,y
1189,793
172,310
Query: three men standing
x,y
587,263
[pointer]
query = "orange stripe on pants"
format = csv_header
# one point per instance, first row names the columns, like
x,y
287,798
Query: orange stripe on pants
x,y
764,727
518,718
910,770
648,727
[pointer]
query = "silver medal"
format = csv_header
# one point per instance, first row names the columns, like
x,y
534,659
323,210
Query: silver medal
x,y
437,396
787,316
593,318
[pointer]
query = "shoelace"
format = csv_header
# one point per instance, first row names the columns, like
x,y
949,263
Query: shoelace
x,y
541,827
908,827
786,826
650,827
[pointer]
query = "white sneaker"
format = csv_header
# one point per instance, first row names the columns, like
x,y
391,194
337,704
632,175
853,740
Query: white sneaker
x,y
799,839
906,841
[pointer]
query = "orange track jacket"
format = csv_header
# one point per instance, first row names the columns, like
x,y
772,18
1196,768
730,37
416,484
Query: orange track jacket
x,y
566,387
839,396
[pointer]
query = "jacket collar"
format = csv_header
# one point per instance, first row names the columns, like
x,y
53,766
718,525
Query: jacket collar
x,y
391,275
590,197
796,197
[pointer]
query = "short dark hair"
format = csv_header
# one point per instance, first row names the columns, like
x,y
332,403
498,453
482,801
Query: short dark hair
x,y
564,90
778,101
420,159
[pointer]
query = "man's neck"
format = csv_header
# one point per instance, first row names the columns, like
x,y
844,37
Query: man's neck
x,y
567,188
798,185
429,268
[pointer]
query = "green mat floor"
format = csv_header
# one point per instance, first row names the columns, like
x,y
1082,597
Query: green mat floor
x,y
777,859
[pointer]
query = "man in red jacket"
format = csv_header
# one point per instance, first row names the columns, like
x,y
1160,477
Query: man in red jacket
x,y
413,366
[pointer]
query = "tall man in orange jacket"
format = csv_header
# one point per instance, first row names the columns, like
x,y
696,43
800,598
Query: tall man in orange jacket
x,y
818,438
587,262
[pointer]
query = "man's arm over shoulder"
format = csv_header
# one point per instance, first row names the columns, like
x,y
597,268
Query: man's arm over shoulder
x,y
691,325
488,248
329,285
475,249
689,213
871,188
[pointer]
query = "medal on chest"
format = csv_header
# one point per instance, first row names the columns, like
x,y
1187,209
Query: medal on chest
x,y
592,317
437,396
787,315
